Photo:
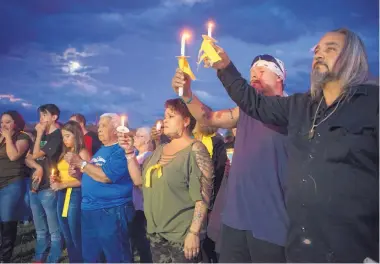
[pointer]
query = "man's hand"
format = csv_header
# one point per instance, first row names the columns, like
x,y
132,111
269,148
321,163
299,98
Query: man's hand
x,y
225,60
73,172
73,159
125,142
40,128
181,80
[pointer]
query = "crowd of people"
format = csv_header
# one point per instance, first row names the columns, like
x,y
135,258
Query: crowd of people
x,y
294,179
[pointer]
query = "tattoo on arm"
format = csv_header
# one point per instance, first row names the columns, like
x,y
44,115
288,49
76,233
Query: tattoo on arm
x,y
232,116
206,112
199,217
204,163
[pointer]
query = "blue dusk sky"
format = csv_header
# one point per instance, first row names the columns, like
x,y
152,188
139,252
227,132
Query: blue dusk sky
x,y
97,56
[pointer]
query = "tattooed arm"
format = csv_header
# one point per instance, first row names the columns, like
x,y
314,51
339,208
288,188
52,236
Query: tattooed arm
x,y
224,118
206,180
200,189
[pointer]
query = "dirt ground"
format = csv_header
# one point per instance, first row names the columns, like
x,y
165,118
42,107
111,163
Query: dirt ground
x,y
24,248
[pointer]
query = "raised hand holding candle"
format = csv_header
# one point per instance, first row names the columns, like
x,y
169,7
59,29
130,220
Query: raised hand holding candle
x,y
207,52
122,128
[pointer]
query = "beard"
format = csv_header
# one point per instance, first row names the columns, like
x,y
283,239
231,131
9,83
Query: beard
x,y
319,79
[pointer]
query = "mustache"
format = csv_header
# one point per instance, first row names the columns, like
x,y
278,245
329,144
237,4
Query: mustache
x,y
320,63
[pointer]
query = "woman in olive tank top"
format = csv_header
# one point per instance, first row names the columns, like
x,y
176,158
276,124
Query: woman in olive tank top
x,y
177,183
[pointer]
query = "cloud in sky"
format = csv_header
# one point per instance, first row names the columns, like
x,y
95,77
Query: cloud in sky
x,y
100,56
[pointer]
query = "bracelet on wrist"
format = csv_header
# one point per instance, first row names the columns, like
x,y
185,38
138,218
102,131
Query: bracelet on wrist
x,y
188,101
130,156
193,233
129,153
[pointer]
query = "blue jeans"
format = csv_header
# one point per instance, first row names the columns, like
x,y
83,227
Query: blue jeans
x,y
27,216
44,209
71,225
107,231
11,200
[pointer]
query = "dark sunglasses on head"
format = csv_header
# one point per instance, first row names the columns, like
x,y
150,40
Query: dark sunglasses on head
x,y
266,57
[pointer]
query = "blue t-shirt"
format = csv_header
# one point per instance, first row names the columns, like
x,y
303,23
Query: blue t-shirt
x,y
98,195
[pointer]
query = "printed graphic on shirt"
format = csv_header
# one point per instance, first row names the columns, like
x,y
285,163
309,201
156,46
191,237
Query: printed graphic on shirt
x,y
98,161
230,153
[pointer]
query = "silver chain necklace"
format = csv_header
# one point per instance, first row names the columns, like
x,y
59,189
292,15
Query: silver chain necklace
x,y
314,126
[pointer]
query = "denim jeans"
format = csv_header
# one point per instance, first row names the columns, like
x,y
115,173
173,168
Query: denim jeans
x,y
27,214
106,231
11,200
71,225
44,209
11,209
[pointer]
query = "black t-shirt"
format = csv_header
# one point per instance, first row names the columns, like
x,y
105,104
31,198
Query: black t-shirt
x,y
51,145
219,159
11,171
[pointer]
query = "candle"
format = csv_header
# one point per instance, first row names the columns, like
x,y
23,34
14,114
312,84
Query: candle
x,y
52,171
158,126
122,121
183,43
209,29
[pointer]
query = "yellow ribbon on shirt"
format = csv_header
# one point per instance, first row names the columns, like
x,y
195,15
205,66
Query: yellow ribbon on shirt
x,y
183,64
148,175
207,141
67,202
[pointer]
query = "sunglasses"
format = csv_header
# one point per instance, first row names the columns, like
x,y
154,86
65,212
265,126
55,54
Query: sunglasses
x,y
266,57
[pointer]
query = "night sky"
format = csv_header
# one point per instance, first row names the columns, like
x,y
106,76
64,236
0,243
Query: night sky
x,y
126,49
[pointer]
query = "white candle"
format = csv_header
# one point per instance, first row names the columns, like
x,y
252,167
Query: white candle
x,y
158,126
209,29
183,43
122,121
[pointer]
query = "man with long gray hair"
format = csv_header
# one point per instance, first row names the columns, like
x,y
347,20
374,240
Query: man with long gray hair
x,y
332,190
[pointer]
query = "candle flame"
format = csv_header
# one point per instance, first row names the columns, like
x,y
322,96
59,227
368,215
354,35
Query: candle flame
x,y
210,24
52,171
123,120
185,35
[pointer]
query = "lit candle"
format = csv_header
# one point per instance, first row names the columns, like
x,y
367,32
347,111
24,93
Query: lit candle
x,y
209,29
158,126
183,43
52,171
122,120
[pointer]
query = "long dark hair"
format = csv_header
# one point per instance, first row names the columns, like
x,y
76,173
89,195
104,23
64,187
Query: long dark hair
x,y
73,127
17,118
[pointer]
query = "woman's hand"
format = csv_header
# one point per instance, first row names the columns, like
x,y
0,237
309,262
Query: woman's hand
x,y
56,186
125,142
191,246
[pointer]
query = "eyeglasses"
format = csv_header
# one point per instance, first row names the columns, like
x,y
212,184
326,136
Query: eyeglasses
x,y
266,57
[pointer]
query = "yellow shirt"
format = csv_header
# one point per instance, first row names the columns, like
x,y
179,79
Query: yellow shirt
x,y
63,168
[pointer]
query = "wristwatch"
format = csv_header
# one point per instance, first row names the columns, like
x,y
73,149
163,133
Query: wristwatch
x,y
84,164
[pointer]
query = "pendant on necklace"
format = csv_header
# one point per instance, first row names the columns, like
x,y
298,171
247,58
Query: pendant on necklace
x,y
311,133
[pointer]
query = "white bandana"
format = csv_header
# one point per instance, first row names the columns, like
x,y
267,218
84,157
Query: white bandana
x,y
272,67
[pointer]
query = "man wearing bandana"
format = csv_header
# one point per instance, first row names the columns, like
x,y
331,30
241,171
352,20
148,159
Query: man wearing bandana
x,y
254,218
